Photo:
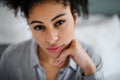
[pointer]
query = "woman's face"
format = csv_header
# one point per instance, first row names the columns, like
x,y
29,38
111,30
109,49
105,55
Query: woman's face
x,y
52,26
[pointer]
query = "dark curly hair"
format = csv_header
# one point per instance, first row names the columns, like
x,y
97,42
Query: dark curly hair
x,y
79,6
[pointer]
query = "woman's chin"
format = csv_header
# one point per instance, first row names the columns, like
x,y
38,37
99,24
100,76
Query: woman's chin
x,y
55,55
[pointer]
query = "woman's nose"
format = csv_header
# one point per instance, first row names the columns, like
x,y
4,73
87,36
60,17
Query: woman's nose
x,y
52,37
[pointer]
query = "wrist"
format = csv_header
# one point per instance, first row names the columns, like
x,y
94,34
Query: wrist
x,y
89,69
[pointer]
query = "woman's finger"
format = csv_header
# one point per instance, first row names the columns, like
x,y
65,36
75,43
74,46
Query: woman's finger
x,y
62,58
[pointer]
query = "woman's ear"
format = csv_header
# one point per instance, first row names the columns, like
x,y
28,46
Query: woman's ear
x,y
75,17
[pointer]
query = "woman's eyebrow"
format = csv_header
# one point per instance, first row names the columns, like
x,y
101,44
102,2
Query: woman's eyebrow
x,y
36,21
58,16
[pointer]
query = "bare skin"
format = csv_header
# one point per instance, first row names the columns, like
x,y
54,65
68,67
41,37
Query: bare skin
x,y
77,53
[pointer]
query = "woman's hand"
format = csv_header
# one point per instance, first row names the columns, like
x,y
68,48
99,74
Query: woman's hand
x,y
78,54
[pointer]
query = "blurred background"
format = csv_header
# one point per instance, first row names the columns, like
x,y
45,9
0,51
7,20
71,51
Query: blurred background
x,y
101,31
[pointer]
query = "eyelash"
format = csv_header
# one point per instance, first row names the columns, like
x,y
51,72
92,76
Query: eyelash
x,y
60,22
57,24
39,27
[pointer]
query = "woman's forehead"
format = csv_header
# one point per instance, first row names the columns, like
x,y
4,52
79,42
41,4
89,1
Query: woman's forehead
x,y
48,7
48,10
53,2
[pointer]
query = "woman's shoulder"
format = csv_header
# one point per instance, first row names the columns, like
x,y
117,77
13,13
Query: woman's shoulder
x,y
14,57
94,55
18,46
14,51
89,49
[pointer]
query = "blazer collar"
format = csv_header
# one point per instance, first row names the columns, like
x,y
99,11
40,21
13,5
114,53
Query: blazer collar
x,y
33,54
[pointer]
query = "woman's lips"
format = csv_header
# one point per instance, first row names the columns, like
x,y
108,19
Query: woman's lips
x,y
54,48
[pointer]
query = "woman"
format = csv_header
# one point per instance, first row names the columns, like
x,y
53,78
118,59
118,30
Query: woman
x,y
53,54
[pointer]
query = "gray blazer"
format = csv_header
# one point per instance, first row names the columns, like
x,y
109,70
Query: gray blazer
x,y
18,62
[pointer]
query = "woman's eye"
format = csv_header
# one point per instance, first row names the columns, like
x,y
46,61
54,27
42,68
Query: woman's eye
x,y
39,27
58,23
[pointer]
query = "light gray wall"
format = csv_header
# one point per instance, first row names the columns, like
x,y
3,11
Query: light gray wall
x,y
12,30
108,7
